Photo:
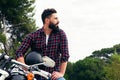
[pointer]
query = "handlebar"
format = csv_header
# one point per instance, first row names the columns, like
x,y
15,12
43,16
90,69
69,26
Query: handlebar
x,y
42,73
4,56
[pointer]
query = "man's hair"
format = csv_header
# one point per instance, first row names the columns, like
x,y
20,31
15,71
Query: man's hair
x,y
46,13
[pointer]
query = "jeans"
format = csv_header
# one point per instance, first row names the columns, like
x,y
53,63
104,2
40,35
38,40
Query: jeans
x,y
62,78
39,78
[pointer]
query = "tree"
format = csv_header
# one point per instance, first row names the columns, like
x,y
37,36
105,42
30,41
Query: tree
x,y
117,48
69,71
87,69
103,53
3,40
112,69
16,19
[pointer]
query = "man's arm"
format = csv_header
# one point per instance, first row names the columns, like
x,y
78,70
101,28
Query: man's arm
x,y
23,48
56,75
64,57
63,67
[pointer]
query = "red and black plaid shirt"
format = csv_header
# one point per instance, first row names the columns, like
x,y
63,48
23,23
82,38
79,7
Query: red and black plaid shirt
x,y
57,47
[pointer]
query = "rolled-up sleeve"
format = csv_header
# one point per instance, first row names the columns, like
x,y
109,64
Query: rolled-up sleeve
x,y
64,47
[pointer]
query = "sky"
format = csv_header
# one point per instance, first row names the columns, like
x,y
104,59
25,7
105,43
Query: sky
x,y
90,25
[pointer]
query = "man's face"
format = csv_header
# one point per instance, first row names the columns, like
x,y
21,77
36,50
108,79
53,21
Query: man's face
x,y
53,24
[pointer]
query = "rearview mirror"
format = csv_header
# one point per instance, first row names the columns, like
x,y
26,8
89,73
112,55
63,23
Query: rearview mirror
x,y
35,58
48,62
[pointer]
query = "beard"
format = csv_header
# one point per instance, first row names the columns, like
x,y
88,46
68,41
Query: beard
x,y
54,27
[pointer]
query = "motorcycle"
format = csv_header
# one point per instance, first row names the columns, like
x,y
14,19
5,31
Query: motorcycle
x,y
10,69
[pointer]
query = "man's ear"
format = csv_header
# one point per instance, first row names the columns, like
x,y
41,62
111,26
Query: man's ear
x,y
47,20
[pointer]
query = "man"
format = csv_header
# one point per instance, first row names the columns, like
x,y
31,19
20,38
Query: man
x,y
51,41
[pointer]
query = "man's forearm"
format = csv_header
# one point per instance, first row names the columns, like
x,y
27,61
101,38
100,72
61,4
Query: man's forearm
x,y
63,67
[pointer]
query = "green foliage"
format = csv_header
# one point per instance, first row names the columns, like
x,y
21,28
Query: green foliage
x,y
2,38
112,69
87,69
69,71
117,47
103,64
3,42
103,53
19,15
16,19
106,52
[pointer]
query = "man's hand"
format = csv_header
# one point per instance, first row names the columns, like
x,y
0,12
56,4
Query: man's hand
x,y
56,75
21,59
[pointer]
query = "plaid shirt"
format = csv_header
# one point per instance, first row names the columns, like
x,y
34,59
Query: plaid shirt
x,y
57,47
